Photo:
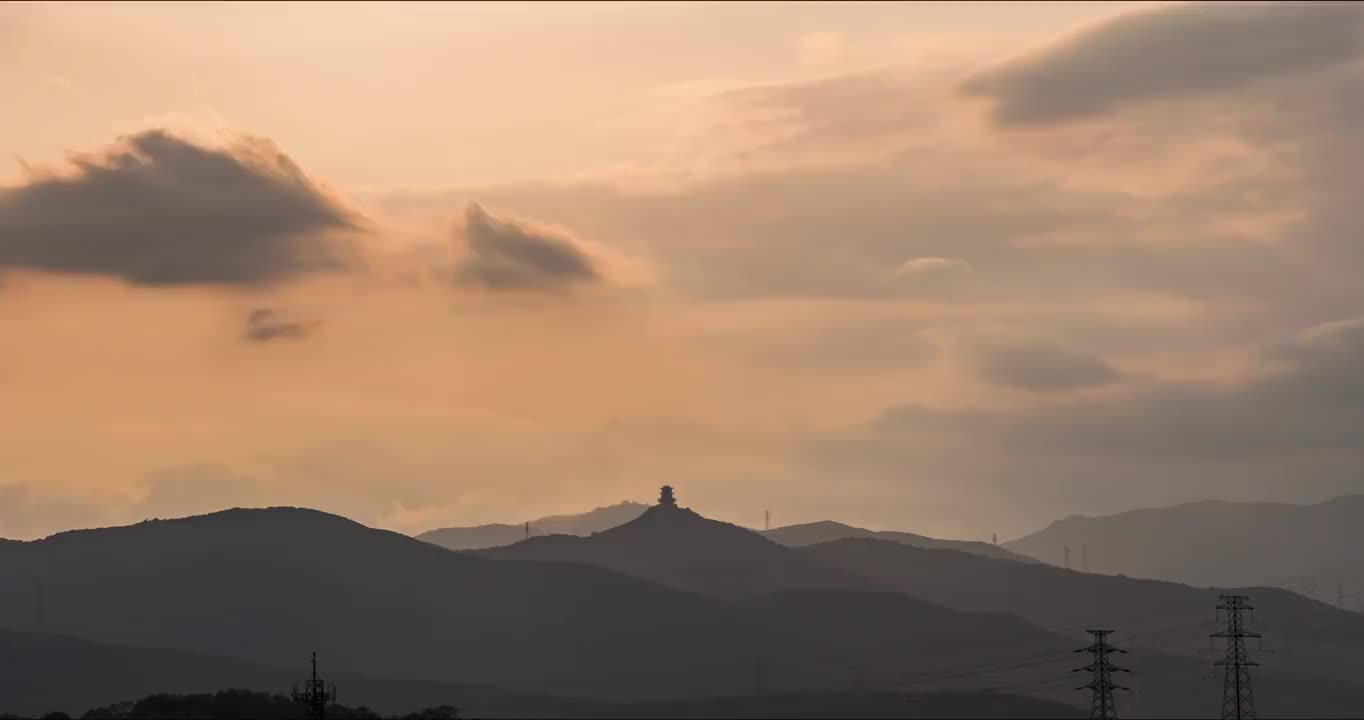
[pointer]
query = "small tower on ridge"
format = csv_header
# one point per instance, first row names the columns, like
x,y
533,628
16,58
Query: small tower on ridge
x,y
665,497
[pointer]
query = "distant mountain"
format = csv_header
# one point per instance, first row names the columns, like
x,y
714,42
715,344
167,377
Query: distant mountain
x,y
681,549
1175,619
828,531
45,673
272,585
487,536
1307,548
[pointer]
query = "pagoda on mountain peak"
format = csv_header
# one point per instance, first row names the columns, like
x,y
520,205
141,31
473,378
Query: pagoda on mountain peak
x,y
665,497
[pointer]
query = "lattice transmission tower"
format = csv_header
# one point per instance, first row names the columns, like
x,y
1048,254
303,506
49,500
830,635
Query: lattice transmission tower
x,y
1101,684
1238,702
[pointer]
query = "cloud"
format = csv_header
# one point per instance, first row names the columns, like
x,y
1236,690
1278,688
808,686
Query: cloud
x,y
1292,430
506,253
159,210
1307,398
1182,50
26,510
1043,368
921,265
266,324
194,490
858,344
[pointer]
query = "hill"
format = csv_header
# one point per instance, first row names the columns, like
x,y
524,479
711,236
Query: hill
x,y
681,549
856,705
1160,616
487,536
1307,548
828,531
271,585
45,673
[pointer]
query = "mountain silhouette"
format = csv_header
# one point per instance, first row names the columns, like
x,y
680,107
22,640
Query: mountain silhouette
x,y
855,705
1159,616
1308,548
828,531
681,549
495,535
271,585
45,673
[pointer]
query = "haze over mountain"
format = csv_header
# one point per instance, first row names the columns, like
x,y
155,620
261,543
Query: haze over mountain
x,y
1307,548
1174,619
828,531
495,535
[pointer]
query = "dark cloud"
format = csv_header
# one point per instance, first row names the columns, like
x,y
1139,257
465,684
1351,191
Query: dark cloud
x,y
1308,399
832,232
1186,268
156,209
1182,50
1293,431
1043,367
509,254
266,324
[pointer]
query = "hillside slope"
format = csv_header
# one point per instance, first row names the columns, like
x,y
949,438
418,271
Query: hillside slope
x,y
1168,617
45,673
272,585
828,531
681,549
495,535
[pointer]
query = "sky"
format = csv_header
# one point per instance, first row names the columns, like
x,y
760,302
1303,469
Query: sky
x,y
950,268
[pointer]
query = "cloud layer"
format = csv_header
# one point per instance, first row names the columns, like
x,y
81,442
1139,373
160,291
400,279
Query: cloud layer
x,y
159,210
1182,50
1043,368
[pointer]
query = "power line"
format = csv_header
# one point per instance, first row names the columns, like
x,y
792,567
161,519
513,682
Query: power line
x,y
1101,683
1238,702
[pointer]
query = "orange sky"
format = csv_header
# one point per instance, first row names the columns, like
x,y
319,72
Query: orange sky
x,y
947,268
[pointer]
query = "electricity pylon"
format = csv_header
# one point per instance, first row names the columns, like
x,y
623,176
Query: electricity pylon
x,y
1101,684
1238,702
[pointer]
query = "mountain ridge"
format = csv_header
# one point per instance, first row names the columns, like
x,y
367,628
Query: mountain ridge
x,y
680,548
822,531
479,537
1258,543
269,586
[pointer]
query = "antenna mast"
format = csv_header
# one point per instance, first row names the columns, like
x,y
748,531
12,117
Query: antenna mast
x,y
316,695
